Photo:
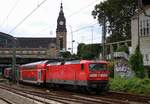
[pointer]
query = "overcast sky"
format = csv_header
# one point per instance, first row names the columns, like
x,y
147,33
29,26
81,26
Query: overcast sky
x,y
42,22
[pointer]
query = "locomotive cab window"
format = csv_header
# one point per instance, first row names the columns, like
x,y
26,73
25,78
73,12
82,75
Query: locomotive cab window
x,y
97,66
82,66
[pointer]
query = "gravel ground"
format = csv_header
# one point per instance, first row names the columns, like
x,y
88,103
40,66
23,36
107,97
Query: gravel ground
x,y
16,99
3,102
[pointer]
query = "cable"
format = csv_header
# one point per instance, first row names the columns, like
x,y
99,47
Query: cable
x,y
27,16
11,10
84,28
81,9
44,29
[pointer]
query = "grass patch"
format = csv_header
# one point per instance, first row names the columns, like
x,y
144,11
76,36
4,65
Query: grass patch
x,y
130,85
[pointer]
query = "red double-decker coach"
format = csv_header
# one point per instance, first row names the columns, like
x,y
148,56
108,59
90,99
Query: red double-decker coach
x,y
33,72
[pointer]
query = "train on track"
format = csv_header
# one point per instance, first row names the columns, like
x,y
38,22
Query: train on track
x,y
81,74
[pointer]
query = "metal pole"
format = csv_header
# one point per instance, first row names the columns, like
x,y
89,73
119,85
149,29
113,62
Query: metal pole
x,y
92,33
13,60
104,38
138,23
71,39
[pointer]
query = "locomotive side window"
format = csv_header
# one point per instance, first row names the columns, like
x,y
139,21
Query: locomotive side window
x,y
82,66
97,66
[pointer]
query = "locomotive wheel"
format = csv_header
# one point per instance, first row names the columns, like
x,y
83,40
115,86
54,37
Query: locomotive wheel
x,y
102,89
106,88
76,88
98,91
50,86
82,89
85,89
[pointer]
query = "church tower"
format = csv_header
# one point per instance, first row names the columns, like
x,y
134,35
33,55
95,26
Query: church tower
x,y
61,31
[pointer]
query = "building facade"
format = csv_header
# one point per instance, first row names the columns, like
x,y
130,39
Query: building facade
x,y
143,31
61,31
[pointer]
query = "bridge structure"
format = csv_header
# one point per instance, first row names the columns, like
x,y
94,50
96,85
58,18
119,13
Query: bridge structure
x,y
25,50
110,48
23,55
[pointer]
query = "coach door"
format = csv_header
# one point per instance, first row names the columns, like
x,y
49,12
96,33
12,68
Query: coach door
x,y
39,75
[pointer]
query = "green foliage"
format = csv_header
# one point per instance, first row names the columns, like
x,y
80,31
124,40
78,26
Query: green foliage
x,y
80,49
90,51
118,15
111,68
66,54
123,48
136,61
132,85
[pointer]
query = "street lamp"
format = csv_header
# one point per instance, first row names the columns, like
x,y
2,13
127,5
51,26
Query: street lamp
x,y
92,33
72,46
72,41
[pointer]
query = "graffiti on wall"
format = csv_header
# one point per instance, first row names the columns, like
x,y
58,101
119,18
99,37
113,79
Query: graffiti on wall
x,y
122,68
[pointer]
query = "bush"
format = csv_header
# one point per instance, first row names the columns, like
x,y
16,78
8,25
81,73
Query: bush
x,y
111,68
136,61
132,85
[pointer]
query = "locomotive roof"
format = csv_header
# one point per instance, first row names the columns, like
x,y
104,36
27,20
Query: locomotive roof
x,y
76,62
49,62
35,63
92,61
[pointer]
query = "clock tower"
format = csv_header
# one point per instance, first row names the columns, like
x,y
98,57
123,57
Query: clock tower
x,y
61,31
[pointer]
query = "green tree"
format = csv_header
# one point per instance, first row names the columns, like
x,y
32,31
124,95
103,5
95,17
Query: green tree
x,y
66,54
80,49
123,48
89,51
136,61
118,15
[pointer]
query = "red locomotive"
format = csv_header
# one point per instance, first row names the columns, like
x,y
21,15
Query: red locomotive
x,y
83,74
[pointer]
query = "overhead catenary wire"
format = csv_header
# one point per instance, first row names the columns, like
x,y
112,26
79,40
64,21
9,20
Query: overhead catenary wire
x,y
47,28
11,10
81,9
27,16
84,28
76,12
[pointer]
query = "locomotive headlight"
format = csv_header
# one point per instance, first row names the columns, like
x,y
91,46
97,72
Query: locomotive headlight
x,y
93,75
103,75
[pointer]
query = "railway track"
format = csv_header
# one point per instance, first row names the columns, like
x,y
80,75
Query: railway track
x,y
5,101
65,97
27,95
127,96
48,98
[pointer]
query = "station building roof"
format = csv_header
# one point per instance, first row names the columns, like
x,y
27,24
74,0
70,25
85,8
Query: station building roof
x,y
6,41
35,42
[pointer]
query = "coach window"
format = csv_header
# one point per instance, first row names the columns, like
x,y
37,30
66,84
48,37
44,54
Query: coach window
x,y
82,66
